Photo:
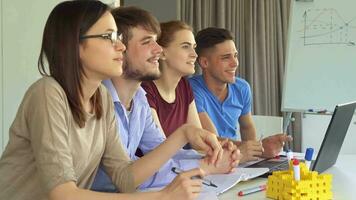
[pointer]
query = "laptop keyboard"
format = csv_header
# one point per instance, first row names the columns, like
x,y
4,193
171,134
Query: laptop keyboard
x,y
273,165
282,166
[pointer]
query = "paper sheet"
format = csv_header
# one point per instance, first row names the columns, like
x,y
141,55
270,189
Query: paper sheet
x,y
227,181
208,195
204,195
224,182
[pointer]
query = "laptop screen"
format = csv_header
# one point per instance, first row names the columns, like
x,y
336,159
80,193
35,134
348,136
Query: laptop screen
x,y
330,147
334,136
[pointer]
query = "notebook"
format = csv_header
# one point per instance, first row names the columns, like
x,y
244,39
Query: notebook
x,y
227,181
223,181
330,147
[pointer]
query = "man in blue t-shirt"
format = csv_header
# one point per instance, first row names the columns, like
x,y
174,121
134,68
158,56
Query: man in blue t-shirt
x,y
224,101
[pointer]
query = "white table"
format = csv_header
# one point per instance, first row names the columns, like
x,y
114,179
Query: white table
x,y
344,181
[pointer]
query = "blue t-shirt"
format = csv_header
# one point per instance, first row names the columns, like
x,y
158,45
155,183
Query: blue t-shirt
x,y
225,115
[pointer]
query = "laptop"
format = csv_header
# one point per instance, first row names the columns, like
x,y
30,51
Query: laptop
x,y
330,147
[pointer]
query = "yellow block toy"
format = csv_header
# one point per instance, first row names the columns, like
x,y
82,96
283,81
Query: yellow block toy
x,y
312,186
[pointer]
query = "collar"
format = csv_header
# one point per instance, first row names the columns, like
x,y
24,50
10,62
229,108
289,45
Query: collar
x,y
140,94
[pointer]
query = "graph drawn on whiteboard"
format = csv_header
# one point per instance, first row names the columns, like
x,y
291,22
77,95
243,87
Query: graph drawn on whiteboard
x,y
327,27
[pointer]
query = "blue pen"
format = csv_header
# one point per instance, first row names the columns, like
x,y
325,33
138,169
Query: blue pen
x,y
205,182
308,157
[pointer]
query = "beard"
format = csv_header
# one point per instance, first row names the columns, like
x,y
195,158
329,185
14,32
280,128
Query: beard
x,y
135,74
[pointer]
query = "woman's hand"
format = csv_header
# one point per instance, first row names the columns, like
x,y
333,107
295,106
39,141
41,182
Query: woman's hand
x,y
204,141
184,187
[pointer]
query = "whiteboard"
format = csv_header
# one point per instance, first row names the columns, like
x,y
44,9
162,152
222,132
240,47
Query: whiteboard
x,y
321,55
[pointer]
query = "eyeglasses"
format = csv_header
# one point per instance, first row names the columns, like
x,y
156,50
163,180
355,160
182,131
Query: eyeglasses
x,y
114,37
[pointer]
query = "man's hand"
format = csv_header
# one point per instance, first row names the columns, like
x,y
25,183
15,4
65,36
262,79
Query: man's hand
x,y
235,154
250,150
272,145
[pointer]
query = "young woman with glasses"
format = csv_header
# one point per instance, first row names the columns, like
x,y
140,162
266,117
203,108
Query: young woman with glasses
x,y
65,126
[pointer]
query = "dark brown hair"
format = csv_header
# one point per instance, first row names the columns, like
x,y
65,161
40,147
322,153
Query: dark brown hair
x,y
60,50
168,29
209,37
130,17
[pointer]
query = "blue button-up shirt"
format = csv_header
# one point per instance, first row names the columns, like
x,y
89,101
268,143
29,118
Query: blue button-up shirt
x,y
138,130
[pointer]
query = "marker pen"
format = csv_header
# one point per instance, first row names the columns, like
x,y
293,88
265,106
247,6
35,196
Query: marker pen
x,y
296,170
319,111
289,155
252,190
308,157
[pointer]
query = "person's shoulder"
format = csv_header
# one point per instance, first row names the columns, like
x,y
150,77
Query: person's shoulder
x,y
141,101
183,87
46,81
196,79
149,87
105,95
103,90
145,84
46,84
241,83
141,95
197,82
183,81
44,90
140,92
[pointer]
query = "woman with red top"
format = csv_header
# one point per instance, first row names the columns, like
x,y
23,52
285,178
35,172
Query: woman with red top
x,y
171,97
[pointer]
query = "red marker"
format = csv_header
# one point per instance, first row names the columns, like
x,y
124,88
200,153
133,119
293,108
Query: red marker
x,y
296,170
252,190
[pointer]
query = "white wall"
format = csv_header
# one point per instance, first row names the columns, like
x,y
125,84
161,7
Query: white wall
x,y
22,25
314,129
267,125
1,92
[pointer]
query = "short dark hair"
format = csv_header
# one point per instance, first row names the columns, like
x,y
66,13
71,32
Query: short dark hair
x,y
130,17
169,29
60,50
209,37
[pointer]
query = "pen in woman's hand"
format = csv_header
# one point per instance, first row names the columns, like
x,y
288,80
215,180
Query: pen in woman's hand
x,y
205,181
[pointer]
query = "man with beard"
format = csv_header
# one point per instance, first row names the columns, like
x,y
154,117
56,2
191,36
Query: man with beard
x,y
137,128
